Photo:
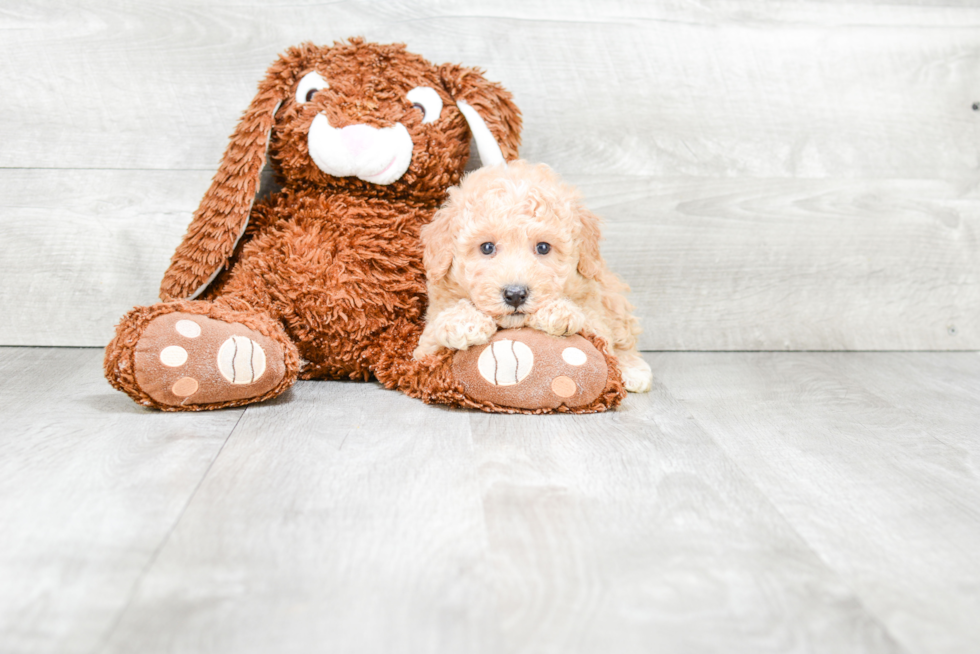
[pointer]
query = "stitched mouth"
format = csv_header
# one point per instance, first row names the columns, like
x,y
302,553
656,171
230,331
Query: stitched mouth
x,y
385,169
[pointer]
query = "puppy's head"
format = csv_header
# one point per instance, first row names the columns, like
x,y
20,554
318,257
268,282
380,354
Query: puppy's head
x,y
511,239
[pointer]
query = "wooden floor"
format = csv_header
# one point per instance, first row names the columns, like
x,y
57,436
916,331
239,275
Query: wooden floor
x,y
753,502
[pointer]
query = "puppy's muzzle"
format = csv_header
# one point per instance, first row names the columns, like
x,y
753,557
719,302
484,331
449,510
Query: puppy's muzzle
x,y
515,296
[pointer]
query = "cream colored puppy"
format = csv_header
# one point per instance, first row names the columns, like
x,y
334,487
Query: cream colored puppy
x,y
515,247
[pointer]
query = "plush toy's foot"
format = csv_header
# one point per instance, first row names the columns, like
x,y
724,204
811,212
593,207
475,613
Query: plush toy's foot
x,y
188,359
185,360
529,370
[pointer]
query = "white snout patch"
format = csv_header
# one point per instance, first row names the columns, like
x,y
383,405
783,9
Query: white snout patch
x,y
380,156
241,360
505,362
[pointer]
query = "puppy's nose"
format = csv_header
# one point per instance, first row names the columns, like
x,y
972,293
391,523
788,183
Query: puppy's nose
x,y
515,295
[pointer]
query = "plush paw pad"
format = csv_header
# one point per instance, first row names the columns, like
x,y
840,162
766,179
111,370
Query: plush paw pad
x,y
185,358
528,369
241,360
505,362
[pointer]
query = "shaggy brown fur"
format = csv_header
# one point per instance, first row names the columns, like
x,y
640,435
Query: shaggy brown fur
x,y
331,267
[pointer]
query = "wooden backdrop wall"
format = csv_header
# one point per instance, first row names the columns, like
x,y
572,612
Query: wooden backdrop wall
x,y
773,175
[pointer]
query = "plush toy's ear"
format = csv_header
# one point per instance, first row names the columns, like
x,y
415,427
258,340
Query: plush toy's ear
x,y
222,217
590,263
437,239
489,109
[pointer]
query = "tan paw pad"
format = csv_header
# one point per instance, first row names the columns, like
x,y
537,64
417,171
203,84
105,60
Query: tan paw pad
x,y
185,387
563,386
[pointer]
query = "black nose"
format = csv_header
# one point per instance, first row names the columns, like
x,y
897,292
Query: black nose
x,y
515,295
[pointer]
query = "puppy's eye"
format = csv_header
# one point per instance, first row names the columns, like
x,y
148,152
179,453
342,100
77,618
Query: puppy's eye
x,y
308,87
542,248
428,101
488,248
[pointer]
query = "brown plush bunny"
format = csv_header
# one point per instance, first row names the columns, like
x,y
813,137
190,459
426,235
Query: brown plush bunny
x,y
324,279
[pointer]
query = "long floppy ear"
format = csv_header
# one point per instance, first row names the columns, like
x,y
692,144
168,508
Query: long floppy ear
x,y
222,217
489,109
590,263
437,239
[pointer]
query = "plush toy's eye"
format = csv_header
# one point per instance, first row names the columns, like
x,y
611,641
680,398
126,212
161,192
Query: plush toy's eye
x,y
426,99
488,248
542,248
309,85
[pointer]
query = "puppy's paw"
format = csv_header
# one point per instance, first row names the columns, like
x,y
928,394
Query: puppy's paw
x,y
459,335
558,318
456,328
637,376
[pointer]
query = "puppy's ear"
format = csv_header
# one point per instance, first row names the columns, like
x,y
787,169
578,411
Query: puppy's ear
x,y
437,239
222,216
489,109
590,263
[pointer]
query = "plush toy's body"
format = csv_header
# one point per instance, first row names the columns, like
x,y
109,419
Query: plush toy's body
x,y
339,272
324,279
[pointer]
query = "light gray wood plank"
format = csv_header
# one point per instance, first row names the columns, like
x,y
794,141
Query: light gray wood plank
x,y
81,247
882,493
633,532
941,399
768,264
344,518
712,89
786,502
90,486
714,264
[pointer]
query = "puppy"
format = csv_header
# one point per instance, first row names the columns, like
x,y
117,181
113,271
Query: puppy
x,y
515,247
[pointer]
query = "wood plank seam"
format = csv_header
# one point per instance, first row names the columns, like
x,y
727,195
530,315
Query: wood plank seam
x,y
842,579
163,541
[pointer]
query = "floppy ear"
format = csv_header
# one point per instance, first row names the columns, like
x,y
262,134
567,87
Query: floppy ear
x,y
222,217
437,239
489,109
590,263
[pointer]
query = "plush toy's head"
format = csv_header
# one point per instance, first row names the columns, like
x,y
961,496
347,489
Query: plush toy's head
x,y
379,119
354,117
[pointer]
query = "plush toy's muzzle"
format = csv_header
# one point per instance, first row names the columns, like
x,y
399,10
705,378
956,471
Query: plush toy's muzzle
x,y
379,156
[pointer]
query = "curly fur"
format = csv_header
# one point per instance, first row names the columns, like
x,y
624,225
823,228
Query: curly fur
x,y
514,208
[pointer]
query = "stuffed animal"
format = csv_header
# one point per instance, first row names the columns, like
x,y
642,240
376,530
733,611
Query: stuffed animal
x,y
323,279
